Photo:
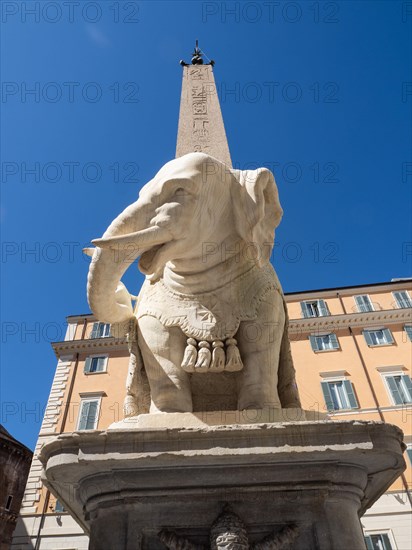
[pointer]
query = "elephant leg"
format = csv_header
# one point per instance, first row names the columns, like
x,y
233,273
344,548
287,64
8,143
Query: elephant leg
x,y
259,344
162,350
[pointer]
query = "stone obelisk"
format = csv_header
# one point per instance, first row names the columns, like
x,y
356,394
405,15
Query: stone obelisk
x,y
201,127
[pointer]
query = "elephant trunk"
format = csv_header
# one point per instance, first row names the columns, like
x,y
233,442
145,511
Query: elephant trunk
x,y
122,243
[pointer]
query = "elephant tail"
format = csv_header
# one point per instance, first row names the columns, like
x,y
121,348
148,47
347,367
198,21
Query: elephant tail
x,y
287,387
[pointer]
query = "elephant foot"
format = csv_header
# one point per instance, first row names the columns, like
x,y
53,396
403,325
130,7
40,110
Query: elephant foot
x,y
130,407
170,407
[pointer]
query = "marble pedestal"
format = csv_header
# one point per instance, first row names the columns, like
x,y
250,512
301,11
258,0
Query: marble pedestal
x,y
125,484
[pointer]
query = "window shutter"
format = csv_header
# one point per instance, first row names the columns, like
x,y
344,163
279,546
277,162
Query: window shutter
x,y
334,341
367,336
359,303
351,394
323,308
394,390
369,543
388,336
314,343
87,364
403,299
91,417
84,412
101,361
327,396
95,331
58,507
305,309
408,384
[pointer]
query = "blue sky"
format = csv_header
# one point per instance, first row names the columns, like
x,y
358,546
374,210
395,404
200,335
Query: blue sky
x,y
319,92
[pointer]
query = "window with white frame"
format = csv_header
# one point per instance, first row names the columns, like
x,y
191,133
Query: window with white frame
x,y
95,364
363,303
378,337
324,342
402,298
408,330
378,541
314,308
88,413
400,387
100,330
339,395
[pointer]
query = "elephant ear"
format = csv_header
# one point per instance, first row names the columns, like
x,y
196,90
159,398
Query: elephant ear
x,y
257,210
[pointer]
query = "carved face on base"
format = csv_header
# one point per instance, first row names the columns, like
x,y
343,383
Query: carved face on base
x,y
231,541
228,533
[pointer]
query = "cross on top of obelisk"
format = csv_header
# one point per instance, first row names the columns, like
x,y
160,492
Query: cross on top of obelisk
x,y
197,57
201,127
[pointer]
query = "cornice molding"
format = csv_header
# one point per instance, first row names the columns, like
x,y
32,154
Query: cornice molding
x,y
328,323
334,323
90,345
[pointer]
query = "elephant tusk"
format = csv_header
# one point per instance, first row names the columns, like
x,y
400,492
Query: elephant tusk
x,y
89,251
146,238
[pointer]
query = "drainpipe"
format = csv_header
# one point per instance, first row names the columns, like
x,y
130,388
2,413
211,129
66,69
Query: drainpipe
x,y
63,425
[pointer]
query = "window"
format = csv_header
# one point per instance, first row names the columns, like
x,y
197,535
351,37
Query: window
x,y
324,342
339,395
378,337
100,330
9,501
314,308
363,303
58,507
409,452
95,364
402,298
378,541
408,330
400,388
89,413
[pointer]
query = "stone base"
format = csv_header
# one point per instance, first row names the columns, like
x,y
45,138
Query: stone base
x,y
216,418
125,485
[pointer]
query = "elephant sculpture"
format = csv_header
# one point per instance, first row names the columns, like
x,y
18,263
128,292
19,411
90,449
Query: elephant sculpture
x,y
211,305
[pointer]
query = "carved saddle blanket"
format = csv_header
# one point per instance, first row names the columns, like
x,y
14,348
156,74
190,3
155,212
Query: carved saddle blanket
x,y
210,318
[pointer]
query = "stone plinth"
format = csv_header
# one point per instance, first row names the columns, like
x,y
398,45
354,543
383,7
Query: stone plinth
x,y
125,485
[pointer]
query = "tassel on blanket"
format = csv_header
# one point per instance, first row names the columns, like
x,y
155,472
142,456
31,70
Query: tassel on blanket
x,y
203,357
218,357
190,356
233,359
198,357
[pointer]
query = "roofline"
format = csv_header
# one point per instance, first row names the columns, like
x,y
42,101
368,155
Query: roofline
x,y
384,283
316,290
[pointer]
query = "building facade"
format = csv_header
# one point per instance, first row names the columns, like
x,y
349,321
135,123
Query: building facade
x,y
352,352
15,461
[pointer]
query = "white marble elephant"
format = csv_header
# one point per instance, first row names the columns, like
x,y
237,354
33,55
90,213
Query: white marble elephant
x,y
211,302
